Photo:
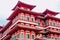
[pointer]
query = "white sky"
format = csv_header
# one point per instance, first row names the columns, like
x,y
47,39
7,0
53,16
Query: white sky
x,y
41,5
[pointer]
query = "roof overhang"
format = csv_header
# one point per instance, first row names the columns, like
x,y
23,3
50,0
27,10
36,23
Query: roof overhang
x,y
19,4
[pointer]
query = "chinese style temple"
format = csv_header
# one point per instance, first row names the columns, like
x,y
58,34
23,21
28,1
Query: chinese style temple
x,y
24,24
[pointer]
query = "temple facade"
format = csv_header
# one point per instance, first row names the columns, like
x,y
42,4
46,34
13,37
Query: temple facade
x,y
24,24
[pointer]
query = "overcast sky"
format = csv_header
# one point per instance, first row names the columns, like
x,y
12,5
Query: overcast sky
x,y
41,5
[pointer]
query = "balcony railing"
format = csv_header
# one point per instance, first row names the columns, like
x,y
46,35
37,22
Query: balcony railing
x,y
53,27
29,22
52,39
55,31
44,38
28,27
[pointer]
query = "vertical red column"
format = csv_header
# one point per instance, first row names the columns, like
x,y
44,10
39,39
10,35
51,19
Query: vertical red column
x,y
22,34
32,34
51,35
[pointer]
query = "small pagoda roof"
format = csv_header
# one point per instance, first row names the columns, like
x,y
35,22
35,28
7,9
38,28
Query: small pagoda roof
x,y
50,17
19,4
50,12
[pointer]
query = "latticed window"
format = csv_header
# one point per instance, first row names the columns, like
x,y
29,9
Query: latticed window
x,y
56,38
25,8
51,23
27,18
14,38
38,23
54,24
46,23
22,36
27,36
32,36
18,36
22,17
32,19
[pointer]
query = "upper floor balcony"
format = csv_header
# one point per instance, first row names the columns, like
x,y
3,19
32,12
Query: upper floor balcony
x,y
24,21
44,38
53,29
52,39
21,26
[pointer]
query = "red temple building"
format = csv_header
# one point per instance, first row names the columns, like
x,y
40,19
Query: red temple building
x,y
24,24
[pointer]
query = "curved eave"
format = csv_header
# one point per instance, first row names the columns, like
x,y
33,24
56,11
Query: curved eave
x,y
13,30
24,4
54,18
18,10
50,12
7,26
49,17
1,27
6,38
